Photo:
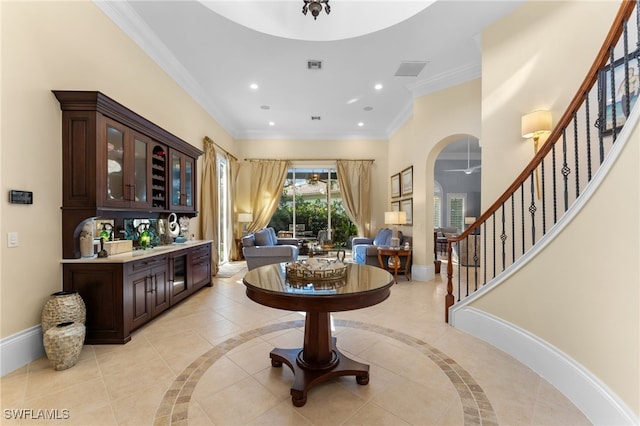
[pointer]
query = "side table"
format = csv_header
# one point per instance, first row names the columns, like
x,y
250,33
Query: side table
x,y
384,253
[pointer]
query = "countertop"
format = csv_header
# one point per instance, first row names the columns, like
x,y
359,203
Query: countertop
x,y
136,255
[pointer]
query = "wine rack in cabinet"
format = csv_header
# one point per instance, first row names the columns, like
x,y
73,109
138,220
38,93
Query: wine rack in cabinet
x,y
159,177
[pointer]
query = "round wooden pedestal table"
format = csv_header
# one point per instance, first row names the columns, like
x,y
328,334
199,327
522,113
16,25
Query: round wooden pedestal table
x,y
319,359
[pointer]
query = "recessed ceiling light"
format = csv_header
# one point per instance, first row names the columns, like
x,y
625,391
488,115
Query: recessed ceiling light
x,y
368,108
271,123
265,107
378,86
253,86
360,124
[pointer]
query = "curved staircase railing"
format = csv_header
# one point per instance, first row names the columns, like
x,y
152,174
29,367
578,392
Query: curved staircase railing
x,y
562,167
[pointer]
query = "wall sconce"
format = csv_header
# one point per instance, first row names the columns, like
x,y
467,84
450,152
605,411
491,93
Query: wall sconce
x,y
469,220
245,218
395,219
534,125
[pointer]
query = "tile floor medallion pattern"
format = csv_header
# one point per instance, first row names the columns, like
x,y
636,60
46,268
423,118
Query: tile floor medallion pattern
x,y
174,408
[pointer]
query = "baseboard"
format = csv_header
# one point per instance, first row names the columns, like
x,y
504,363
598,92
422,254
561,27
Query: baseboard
x,y
587,392
422,273
20,349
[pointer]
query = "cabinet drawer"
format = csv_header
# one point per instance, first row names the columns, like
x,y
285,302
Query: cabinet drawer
x,y
149,262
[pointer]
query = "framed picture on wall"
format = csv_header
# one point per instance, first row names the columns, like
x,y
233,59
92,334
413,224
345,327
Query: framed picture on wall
x,y
406,181
619,101
395,206
407,207
395,185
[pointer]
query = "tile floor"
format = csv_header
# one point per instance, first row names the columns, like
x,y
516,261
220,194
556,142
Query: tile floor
x,y
205,362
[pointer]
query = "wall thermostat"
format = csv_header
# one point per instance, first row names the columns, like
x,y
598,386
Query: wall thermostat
x,y
20,197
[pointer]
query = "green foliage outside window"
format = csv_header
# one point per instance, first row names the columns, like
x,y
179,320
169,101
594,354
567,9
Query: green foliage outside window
x,y
313,214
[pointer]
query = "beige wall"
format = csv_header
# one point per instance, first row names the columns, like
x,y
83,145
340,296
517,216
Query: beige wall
x,y
72,46
581,293
438,119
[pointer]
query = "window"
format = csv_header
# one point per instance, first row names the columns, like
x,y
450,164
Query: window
x,y
437,205
224,219
310,203
456,208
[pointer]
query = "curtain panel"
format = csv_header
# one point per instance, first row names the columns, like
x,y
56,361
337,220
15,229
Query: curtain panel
x,y
267,180
209,209
354,177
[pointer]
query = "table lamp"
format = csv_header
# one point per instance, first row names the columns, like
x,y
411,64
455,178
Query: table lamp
x,y
245,218
395,219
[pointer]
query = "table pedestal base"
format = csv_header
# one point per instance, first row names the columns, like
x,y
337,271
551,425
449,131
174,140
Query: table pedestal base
x,y
307,376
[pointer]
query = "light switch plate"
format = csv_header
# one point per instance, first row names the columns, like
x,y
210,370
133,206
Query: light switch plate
x,y
12,239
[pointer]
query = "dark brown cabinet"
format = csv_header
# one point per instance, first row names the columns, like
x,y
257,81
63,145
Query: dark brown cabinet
x,y
148,285
123,295
116,162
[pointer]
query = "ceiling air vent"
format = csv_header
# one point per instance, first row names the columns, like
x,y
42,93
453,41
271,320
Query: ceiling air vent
x,y
315,118
410,68
314,64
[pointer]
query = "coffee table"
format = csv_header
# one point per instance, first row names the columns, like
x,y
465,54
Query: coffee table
x,y
319,359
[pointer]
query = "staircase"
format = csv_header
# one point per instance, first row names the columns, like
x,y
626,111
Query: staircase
x,y
536,219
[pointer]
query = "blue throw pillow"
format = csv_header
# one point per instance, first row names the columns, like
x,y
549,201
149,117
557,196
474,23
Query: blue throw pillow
x,y
263,238
383,237
273,236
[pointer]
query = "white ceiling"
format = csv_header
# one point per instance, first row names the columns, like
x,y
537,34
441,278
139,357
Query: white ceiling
x,y
216,59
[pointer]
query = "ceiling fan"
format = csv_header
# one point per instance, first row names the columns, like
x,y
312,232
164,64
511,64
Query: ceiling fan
x,y
469,169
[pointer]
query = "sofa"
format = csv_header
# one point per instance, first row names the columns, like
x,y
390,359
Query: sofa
x,y
365,250
265,248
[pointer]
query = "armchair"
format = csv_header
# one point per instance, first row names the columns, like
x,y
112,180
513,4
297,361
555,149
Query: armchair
x,y
264,248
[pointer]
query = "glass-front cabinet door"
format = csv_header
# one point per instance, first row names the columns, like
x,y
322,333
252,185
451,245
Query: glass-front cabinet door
x,y
182,182
140,189
115,165
127,168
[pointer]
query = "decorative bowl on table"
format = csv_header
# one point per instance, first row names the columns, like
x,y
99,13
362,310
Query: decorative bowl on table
x,y
316,269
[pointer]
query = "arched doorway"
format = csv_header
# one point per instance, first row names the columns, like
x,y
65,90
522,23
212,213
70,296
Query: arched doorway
x,y
457,183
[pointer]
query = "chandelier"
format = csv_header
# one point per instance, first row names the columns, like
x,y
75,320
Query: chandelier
x,y
315,6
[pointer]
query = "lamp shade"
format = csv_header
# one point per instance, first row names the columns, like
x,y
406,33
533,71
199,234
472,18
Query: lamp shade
x,y
469,220
395,218
245,217
535,123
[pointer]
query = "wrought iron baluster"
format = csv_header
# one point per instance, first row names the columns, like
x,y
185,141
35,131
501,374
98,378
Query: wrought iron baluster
x,y
626,102
503,238
544,210
513,229
493,217
575,153
614,122
522,216
555,184
476,264
484,241
588,132
602,115
532,211
565,169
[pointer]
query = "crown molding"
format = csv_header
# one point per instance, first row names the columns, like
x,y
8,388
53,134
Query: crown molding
x,y
447,79
126,18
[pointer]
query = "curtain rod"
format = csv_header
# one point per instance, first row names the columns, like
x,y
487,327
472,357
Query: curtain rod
x,y
309,159
207,138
